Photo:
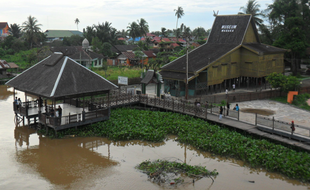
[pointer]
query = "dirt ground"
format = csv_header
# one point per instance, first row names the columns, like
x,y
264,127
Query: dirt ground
x,y
282,112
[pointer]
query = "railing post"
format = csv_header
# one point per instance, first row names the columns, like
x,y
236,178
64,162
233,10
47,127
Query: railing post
x,y
211,108
69,118
273,123
206,113
163,104
256,119
172,104
238,114
183,107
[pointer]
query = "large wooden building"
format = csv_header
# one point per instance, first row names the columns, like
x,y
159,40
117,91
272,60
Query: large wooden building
x,y
233,54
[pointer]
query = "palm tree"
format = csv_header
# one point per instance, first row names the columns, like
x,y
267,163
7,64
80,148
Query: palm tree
x,y
77,21
15,30
179,12
31,29
133,30
163,32
144,27
253,8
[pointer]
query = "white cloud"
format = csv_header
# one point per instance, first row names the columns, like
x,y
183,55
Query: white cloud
x,y
60,14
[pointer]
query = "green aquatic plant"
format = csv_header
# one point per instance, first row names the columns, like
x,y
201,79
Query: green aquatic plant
x,y
155,126
160,168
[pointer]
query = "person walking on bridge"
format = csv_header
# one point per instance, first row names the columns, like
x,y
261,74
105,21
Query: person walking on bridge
x,y
292,127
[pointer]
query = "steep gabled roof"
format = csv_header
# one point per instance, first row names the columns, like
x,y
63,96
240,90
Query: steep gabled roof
x,y
58,76
229,29
149,54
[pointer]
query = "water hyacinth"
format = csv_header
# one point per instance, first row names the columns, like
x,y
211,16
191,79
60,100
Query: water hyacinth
x,y
155,126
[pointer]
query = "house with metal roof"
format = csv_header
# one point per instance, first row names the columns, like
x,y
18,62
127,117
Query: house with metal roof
x,y
52,35
233,54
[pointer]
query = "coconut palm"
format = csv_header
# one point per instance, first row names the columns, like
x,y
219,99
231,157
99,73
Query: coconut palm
x,y
163,32
31,29
133,30
77,21
143,25
253,8
179,12
15,30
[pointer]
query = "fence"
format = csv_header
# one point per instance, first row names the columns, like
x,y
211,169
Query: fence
x,y
301,133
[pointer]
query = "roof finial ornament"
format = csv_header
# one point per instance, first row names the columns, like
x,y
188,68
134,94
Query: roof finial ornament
x,y
215,14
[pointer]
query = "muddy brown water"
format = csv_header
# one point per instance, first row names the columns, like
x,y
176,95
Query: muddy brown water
x,y
30,161
266,112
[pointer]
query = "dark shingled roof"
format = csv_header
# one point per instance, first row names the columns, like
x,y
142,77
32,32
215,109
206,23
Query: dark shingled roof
x,y
199,57
86,55
175,75
67,50
148,77
223,31
263,48
123,48
59,76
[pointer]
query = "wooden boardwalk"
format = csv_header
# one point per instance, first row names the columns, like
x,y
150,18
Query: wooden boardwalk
x,y
229,121
261,128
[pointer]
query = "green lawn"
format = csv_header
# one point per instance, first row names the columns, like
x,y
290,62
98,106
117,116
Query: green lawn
x,y
113,72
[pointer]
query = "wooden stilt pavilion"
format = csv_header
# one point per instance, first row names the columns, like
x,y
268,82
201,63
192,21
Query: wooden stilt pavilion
x,y
60,81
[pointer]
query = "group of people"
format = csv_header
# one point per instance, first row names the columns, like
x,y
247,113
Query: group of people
x,y
228,107
18,103
58,112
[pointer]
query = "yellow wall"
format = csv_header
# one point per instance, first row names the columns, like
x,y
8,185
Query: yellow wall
x,y
225,68
243,62
250,35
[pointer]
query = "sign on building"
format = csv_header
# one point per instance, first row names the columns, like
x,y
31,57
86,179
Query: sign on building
x,y
122,80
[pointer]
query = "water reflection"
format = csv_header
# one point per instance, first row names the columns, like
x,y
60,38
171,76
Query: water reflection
x,y
5,92
62,161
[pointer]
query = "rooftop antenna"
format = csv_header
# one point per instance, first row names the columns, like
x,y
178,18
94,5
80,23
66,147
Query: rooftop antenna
x,y
215,14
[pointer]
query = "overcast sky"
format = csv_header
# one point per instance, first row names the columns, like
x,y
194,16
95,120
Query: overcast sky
x,y
60,14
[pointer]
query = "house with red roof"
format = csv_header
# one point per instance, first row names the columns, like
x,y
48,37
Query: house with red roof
x,y
4,30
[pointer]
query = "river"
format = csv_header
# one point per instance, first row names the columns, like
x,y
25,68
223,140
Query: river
x,y
30,161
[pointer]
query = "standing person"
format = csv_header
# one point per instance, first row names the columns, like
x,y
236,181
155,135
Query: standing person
x,y
19,103
234,87
228,106
236,107
16,103
226,92
292,127
221,113
59,111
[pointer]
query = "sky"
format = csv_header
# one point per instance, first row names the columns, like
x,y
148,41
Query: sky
x,y
60,15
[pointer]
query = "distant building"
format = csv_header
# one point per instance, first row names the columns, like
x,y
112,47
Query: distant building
x,y
52,35
4,30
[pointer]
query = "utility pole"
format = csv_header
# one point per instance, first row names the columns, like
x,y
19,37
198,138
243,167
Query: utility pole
x,y
186,85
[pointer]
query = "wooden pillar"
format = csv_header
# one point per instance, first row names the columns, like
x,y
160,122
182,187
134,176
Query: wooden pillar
x,y
239,82
256,79
229,85
248,82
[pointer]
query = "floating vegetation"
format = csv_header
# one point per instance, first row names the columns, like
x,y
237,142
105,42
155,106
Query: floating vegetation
x,y
155,126
162,171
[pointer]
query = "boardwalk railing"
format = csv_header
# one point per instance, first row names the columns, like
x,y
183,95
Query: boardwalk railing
x,y
73,118
301,133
